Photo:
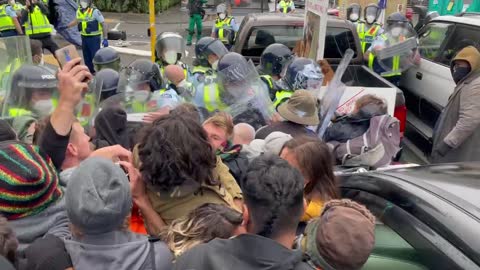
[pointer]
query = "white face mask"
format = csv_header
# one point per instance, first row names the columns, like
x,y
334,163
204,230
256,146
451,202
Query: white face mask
x,y
83,4
370,19
182,84
141,95
353,17
170,57
222,16
214,65
396,31
43,107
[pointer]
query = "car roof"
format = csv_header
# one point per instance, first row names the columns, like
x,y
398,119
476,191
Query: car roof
x,y
470,19
458,183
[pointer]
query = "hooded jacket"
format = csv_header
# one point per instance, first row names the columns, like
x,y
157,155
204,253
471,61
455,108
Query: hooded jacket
x,y
118,250
457,133
273,144
246,251
111,128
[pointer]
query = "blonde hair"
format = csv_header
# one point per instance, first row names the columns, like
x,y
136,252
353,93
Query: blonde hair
x,y
203,224
221,120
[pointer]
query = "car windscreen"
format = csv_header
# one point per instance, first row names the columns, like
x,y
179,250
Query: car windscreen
x,y
337,41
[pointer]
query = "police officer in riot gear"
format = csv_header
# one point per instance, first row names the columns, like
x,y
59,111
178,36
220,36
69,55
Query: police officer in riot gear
x,y
272,62
397,30
91,25
32,92
208,52
369,29
225,26
107,79
354,12
301,73
36,23
106,58
169,50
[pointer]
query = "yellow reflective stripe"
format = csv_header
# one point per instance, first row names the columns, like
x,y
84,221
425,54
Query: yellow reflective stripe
x,y
14,112
268,79
211,98
37,23
371,59
281,96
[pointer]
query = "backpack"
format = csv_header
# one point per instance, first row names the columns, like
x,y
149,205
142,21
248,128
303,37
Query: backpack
x,y
375,148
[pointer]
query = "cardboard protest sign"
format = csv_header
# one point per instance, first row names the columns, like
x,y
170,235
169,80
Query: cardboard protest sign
x,y
315,28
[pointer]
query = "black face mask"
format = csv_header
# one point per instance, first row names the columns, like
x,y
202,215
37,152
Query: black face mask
x,y
459,73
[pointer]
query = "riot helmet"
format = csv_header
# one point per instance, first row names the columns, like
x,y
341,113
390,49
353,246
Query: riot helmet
x,y
107,80
3,2
353,12
274,59
33,89
141,74
303,73
209,51
397,24
222,11
371,13
106,58
170,47
235,68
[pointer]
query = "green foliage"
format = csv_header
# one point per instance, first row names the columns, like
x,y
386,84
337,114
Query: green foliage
x,y
135,6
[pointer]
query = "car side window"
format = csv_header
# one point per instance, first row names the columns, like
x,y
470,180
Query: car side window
x,y
262,36
337,41
462,37
431,39
400,241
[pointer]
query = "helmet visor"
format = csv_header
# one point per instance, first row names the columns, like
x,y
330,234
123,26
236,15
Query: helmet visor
x,y
170,43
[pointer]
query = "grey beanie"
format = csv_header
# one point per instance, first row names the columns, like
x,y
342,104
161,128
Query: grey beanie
x,y
98,196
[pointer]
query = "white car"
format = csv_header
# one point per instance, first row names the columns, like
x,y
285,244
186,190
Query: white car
x,y
428,86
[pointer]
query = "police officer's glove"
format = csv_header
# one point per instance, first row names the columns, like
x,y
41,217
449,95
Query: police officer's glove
x,y
105,42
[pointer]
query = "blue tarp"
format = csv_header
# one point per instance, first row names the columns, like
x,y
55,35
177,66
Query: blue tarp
x,y
66,12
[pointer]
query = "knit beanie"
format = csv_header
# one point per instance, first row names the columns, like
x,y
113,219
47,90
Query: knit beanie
x,y
28,181
98,197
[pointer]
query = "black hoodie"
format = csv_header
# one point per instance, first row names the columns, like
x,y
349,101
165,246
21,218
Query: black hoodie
x,y
246,251
111,128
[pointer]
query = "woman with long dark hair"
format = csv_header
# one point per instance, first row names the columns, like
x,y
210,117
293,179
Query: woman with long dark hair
x,y
314,160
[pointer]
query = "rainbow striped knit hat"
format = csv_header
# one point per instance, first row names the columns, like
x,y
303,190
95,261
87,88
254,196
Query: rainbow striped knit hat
x,y
28,181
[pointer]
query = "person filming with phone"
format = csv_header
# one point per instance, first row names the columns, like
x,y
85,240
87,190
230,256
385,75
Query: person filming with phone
x,y
91,25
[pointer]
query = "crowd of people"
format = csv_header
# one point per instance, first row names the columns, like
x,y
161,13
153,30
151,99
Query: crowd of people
x,y
157,165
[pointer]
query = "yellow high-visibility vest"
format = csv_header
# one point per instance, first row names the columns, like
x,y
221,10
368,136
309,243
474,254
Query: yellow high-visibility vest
x,y
367,37
6,22
223,25
37,23
282,96
87,24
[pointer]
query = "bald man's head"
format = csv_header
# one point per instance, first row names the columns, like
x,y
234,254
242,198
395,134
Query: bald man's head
x,y
174,74
243,133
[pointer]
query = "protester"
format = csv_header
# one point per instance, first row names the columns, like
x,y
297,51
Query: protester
x,y
342,238
219,129
313,159
273,206
202,225
37,52
45,253
181,171
98,203
177,85
243,133
41,210
111,128
457,134
299,112
355,124
273,144
8,241
6,131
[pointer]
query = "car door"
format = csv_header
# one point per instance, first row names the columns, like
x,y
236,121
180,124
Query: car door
x,y
403,242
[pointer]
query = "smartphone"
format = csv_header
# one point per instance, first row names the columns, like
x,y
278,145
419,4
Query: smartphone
x,y
66,54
